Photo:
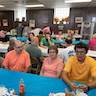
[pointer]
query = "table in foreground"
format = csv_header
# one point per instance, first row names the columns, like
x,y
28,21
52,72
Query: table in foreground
x,y
34,85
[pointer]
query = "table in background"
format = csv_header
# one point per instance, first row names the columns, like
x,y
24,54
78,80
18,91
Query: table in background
x,y
3,47
62,52
73,41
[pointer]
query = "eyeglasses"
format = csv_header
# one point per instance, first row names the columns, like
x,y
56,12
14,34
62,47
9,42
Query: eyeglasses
x,y
52,52
80,52
18,47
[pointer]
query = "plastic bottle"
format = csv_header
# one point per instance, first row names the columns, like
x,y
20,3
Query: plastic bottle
x,y
67,93
21,87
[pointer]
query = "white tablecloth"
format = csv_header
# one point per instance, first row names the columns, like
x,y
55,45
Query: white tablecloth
x,y
3,47
66,52
63,52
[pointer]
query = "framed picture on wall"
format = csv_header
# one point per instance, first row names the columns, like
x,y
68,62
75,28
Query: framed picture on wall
x,y
79,25
5,22
32,23
78,19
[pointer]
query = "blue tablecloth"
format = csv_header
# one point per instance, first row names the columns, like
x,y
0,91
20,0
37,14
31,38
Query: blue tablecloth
x,y
77,41
73,41
22,39
34,85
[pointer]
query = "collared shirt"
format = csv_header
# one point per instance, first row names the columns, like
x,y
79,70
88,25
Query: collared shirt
x,y
80,72
17,62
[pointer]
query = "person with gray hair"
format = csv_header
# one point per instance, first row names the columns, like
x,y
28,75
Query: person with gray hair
x,y
17,59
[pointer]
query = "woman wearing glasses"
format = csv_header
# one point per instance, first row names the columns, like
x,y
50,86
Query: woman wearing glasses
x,y
52,65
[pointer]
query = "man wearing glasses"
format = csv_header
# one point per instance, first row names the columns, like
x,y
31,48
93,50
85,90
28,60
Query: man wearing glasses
x,y
80,68
17,59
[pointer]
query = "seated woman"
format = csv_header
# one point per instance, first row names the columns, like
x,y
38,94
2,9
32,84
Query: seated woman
x,y
92,43
68,41
33,39
52,65
11,45
47,41
59,36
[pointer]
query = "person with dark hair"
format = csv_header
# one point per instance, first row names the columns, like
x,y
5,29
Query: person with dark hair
x,y
52,65
35,57
40,36
81,45
80,68
47,41
68,41
11,45
26,30
19,30
33,39
46,29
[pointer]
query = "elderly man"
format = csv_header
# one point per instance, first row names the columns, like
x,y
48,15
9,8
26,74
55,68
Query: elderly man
x,y
17,59
80,68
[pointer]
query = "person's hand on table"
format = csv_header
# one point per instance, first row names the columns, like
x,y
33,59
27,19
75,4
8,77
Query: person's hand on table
x,y
83,87
74,86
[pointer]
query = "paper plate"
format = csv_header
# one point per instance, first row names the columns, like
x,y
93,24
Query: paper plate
x,y
59,94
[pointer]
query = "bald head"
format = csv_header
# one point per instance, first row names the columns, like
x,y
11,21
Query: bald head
x,y
18,46
18,43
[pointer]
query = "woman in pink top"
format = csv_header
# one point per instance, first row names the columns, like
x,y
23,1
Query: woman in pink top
x,y
33,39
52,65
92,43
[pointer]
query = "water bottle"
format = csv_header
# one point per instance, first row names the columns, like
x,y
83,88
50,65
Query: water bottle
x,y
68,93
21,87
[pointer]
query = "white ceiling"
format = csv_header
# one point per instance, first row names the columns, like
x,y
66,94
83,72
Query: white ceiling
x,y
11,4
60,3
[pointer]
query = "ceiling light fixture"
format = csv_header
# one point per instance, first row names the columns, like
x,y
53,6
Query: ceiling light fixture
x,y
1,5
37,5
77,1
